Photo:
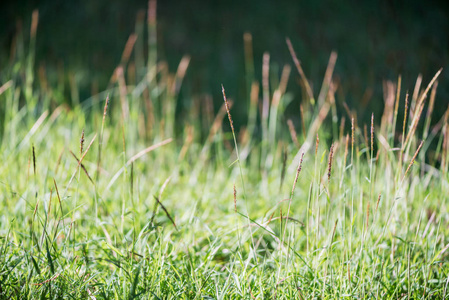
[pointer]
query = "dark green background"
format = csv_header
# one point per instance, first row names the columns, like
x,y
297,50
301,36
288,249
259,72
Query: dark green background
x,y
375,40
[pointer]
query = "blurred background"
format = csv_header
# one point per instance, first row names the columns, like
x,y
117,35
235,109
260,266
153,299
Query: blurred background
x,y
375,41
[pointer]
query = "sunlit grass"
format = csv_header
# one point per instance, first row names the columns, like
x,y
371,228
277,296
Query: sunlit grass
x,y
155,205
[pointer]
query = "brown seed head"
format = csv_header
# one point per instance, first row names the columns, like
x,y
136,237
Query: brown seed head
x,y
34,22
292,130
413,159
405,117
352,132
152,4
106,106
329,163
297,175
378,200
227,108
82,143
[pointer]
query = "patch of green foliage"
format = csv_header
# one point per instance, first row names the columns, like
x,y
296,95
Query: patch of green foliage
x,y
119,198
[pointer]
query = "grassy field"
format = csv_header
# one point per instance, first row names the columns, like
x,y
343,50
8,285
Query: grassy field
x,y
121,197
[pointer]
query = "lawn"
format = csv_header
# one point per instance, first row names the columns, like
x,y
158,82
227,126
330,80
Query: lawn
x,y
124,195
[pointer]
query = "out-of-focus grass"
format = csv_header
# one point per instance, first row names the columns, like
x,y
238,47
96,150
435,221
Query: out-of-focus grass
x,y
82,42
119,198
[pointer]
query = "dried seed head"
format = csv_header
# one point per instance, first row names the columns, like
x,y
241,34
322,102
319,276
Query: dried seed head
x,y
227,108
419,107
82,143
34,22
413,159
299,68
432,99
152,4
297,175
329,163
291,127
405,117
378,200
106,104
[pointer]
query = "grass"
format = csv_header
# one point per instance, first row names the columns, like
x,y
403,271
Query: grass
x,y
120,197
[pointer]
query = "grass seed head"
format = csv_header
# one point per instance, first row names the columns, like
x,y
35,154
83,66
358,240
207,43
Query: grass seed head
x,y
82,143
227,108
106,104
152,4
297,175
378,200
34,160
34,22
292,130
413,159
346,148
329,163
405,118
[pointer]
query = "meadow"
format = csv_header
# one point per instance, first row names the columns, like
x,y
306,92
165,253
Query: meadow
x,y
124,196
